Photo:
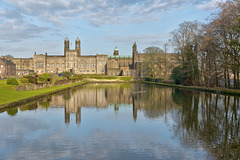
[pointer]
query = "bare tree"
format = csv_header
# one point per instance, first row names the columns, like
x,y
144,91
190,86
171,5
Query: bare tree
x,y
185,41
153,62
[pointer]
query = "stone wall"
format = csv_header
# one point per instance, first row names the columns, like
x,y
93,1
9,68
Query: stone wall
x,y
30,87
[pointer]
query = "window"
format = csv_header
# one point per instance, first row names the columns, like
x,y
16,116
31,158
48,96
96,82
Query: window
x,y
62,65
52,65
80,70
57,65
102,70
39,65
48,65
0,71
81,65
87,70
93,71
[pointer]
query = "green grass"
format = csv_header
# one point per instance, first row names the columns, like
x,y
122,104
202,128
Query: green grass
x,y
125,78
9,94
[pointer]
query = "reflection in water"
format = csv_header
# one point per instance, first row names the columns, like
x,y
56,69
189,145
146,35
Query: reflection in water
x,y
208,122
210,119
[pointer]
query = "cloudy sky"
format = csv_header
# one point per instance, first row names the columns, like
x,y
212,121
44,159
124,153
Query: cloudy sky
x,y
29,26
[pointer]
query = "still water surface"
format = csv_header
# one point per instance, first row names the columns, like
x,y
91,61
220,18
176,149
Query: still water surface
x,y
116,121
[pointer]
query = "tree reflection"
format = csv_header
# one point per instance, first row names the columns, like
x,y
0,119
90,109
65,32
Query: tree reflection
x,y
29,106
153,100
12,111
210,119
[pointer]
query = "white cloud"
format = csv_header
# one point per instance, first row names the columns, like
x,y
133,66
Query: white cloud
x,y
142,39
209,5
14,28
99,12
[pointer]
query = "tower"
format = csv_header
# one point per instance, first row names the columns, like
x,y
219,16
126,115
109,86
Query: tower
x,y
116,52
134,55
78,46
66,46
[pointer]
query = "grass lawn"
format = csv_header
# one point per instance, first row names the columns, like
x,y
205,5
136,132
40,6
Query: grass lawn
x,y
9,94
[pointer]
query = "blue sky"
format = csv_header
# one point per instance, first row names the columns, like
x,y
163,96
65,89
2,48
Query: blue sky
x,y
29,26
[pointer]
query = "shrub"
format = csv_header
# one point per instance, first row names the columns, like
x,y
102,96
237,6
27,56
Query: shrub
x,y
150,79
178,74
49,79
67,74
41,79
24,80
44,77
12,81
31,79
187,82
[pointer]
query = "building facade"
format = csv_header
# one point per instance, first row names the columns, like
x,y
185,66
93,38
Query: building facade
x,y
73,61
7,68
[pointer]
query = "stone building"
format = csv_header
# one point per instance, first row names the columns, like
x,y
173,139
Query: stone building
x,y
73,61
7,68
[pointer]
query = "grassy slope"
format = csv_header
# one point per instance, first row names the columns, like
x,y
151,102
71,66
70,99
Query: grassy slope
x,y
9,94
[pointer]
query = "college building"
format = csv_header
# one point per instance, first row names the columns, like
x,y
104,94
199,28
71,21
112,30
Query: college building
x,y
73,61
7,68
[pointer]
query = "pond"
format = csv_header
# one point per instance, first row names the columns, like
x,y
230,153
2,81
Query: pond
x,y
123,121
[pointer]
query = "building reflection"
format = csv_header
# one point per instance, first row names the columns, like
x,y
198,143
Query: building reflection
x,y
152,101
98,96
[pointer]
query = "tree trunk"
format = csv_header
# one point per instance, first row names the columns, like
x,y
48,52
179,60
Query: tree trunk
x,y
234,78
228,79
237,79
225,78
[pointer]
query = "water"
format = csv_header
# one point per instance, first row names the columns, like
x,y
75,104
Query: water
x,y
116,121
